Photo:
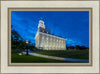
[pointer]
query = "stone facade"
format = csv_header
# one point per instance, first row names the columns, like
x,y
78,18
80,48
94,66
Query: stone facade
x,y
45,41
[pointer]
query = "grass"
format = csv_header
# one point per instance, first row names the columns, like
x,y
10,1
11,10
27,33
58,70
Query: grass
x,y
79,54
15,58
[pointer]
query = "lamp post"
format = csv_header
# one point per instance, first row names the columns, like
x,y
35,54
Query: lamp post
x,y
27,47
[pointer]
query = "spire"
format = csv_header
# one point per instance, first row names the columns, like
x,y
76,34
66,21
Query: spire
x,y
41,23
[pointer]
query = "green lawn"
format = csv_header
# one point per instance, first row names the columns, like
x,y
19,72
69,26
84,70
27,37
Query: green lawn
x,y
80,54
15,58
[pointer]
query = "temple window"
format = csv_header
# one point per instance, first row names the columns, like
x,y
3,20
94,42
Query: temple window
x,y
42,38
47,38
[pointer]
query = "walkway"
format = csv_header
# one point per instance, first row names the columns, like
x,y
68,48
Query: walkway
x,y
59,58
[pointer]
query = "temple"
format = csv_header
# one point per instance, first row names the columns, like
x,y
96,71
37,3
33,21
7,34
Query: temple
x,y
44,40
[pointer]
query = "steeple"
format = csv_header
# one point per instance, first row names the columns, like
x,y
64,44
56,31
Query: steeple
x,y
41,23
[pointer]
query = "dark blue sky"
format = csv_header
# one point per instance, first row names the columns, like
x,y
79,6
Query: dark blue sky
x,y
72,25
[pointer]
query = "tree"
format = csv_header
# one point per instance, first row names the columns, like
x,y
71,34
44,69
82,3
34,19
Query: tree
x,y
83,48
16,40
70,47
77,47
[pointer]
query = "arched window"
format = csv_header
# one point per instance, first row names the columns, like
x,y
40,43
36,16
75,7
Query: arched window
x,y
47,38
42,30
50,39
42,38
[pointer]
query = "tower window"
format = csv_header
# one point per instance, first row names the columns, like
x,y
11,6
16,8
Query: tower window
x,y
42,30
41,22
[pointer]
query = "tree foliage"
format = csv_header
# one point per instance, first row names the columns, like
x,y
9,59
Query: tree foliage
x,y
17,42
77,47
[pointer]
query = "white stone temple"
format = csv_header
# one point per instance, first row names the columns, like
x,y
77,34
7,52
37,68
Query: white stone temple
x,y
46,41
